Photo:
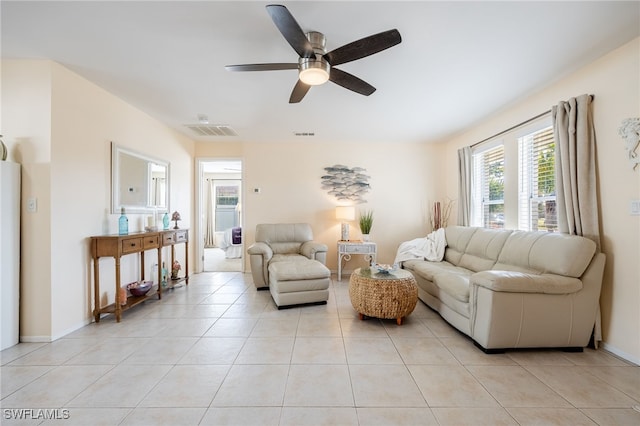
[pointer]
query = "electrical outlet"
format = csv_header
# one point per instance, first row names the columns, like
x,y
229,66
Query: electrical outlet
x,y
634,208
32,204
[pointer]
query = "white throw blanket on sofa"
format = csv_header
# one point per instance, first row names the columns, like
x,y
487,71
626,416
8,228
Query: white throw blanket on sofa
x,y
429,248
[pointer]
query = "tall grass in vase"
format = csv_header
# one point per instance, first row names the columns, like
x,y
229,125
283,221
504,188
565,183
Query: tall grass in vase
x,y
366,222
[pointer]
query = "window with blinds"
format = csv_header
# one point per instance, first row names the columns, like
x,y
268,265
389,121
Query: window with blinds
x,y
537,182
488,202
227,195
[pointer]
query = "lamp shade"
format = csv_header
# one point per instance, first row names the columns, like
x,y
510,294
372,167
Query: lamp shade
x,y
346,213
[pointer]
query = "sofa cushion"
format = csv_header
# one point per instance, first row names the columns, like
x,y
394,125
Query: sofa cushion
x,y
526,283
428,269
545,252
457,239
455,285
483,249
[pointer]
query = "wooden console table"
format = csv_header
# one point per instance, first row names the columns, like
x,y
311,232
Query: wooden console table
x,y
117,246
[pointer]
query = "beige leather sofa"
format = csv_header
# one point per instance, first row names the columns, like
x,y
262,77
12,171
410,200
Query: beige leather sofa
x,y
514,289
286,260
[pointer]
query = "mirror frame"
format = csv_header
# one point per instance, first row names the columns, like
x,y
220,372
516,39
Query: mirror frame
x,y
116,151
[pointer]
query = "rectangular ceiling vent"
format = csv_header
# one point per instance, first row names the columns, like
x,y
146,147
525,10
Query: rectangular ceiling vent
x,y
211,130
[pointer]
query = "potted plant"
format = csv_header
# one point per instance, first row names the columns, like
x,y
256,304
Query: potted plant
x,y
366,222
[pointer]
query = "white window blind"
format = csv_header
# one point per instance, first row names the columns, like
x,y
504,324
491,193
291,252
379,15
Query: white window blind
x,y
488,200
537,187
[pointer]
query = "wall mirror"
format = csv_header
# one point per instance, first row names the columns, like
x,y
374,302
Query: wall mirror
x,y
139,182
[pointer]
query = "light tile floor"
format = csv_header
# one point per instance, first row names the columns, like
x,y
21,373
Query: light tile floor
x,y
219,352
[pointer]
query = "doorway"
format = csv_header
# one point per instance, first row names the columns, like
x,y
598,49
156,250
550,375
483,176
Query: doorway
x,y
220,215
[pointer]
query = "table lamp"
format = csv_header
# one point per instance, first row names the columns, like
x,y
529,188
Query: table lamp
x,y
345,214
176,217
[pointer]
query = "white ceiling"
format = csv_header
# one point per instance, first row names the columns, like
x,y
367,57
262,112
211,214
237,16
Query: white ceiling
x,y
458,63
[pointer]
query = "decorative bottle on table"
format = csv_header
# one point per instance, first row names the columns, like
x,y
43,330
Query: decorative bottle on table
x,y
164,275
165,220
123,223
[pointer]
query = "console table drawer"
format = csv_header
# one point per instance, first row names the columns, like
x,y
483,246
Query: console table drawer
x,y
131,245
168,238
175,237
151,241
181,236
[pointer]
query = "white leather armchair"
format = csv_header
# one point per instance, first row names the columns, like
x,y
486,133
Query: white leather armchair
x,y
282,242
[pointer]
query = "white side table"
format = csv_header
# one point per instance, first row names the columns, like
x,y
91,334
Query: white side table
x,y
347,248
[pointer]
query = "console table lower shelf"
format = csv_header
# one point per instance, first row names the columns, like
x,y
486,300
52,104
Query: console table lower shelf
x,y
131,302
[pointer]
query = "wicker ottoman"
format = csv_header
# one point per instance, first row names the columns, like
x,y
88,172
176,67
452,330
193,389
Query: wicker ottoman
x,y
390,295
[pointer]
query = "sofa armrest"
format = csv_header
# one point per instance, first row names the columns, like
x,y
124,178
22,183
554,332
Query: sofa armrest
x,y
260,248
519,282
314,250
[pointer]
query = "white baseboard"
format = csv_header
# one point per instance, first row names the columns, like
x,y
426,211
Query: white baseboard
x,y
72,329
35,339
621,354
49,339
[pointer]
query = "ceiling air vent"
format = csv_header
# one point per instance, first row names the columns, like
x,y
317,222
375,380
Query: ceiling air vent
x,y
211,130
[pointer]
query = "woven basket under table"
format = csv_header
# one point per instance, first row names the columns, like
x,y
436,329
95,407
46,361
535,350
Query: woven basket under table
x,y
380,296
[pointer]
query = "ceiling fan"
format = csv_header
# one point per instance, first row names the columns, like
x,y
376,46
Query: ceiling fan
x,y
315,65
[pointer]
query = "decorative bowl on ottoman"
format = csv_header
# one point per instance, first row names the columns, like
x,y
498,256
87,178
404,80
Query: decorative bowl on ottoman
x,y
139,288
382,268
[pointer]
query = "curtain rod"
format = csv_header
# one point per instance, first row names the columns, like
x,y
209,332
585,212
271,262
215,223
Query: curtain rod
x,y
512,128
517,125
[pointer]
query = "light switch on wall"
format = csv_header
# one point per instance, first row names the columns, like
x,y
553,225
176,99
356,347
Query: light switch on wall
x,y
634,208
32,204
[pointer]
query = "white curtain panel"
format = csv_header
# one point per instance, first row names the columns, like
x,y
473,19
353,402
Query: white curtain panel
x,y
577,199
464,186
210,229
576,168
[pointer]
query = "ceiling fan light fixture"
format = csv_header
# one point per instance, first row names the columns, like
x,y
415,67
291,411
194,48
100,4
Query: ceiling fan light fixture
x,y
313,71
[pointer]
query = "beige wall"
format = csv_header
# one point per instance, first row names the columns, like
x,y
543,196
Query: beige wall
x,y
288,175
615,82
26,126
50,109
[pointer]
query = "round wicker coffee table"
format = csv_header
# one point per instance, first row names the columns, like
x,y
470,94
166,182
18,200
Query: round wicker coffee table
x,y
383,295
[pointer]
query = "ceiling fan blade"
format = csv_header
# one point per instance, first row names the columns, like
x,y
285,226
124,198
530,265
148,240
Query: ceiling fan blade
x,y
351,82
261,67
290,29
363,47
299,91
